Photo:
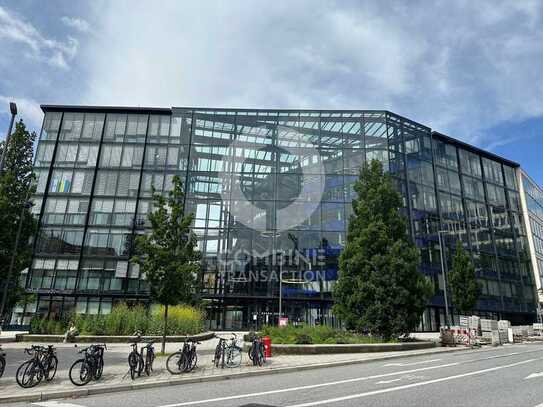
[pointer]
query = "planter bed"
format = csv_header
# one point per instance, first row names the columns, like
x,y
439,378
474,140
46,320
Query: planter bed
x,y
110,339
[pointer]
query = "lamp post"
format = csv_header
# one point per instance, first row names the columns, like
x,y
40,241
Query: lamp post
x,y
443,271
13,110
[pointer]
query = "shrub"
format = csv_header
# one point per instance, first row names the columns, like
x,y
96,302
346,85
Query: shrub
x,y
182,320
115,321
124,320
303,339
305,335
35,325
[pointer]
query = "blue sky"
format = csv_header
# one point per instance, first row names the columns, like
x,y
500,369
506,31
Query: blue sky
x,y
468,69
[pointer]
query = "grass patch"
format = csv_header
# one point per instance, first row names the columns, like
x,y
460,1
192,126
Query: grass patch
x,y
316,335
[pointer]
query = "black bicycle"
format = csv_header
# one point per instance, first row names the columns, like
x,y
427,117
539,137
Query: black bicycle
x,y
184,360
257,353
2,361
227,354
42,365
136,361
90,367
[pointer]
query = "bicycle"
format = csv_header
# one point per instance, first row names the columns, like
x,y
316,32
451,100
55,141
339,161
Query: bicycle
x,y
91,366
184,360
136,363
2,361
228,355
257,353
42,365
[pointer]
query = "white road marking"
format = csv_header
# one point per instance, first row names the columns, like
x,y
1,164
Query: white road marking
x,y
502,356
534,375
311,386
422,362
388,381
409,386
404,377
53,403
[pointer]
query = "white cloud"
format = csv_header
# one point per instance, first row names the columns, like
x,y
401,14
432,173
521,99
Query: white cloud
x,y
14,28
27,109
77,23
459,67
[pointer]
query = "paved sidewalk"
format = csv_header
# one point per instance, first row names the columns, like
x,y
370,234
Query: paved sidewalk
x,y
116,377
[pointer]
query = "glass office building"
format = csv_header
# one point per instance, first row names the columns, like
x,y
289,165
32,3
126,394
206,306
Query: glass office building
x,y
271,191
532,204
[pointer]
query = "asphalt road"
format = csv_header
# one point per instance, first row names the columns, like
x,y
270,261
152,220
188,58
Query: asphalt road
x,y
505,376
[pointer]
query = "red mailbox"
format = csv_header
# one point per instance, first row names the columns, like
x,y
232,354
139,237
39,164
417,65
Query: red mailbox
x,y
267,346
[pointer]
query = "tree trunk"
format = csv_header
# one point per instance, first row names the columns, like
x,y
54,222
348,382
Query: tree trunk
x,y
165,329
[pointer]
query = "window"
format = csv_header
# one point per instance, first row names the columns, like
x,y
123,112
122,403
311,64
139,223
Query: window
x,y
496,195
61,181
72,125
470,163
132,156
101,211
92,127
66,154
106,183
510,177
137,125
115,127
446,155
111,156
493,171
128,184
44,154
51,126
473,188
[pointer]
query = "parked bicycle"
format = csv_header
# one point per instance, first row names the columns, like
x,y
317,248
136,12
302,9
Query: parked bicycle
x,y
2,361
42,365
227,354
136,361
184,360
257,352
90,367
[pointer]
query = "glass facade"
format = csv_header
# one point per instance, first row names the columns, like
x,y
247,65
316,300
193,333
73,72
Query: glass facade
x,y
532,203
271,191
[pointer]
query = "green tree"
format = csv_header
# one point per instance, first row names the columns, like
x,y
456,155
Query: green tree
x,y
380,288
168,255
463,281
16,187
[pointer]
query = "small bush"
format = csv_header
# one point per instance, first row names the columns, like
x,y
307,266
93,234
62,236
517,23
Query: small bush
x,y
303,339
321,334
124,320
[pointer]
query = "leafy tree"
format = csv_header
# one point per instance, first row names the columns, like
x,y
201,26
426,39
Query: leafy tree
x,y
463,281
16,187
380,288
167,255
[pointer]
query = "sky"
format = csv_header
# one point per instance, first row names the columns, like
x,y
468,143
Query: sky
x,y
469,69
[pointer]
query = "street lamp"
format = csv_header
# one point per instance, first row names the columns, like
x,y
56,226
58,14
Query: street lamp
x,y
443,271
13,110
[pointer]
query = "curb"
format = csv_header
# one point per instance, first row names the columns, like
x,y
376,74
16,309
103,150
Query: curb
x,y
103,389
281,349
